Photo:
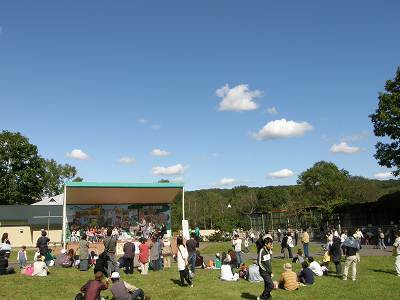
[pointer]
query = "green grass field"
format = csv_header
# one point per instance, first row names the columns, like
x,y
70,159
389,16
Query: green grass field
x,y
375,280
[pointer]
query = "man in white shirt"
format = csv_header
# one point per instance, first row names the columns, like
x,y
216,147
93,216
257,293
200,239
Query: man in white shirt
x,y
396,252
315,267
237,243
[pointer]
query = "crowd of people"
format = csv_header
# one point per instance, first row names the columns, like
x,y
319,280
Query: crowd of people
x,y
156,253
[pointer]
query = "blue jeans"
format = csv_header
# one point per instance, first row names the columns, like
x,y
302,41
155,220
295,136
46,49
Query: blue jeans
x,y
192,261
239,257
305,247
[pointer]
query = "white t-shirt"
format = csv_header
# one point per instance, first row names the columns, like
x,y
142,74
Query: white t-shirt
x,y
181,256
238,245
397,245
290,242
316,268
226,273
39,268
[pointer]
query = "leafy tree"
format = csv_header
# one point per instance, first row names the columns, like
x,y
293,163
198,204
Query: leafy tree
x,y
325,183
77,179
386,121
22,170
56,175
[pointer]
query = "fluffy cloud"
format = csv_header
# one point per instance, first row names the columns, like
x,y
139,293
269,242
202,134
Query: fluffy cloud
x,y
344,148
226,181
284,173
142,120
384,175
282,129
238,98
126,160
272,110
78,154
169,171
159,152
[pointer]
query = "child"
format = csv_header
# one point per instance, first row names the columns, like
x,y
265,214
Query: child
x,y
299,258
22,259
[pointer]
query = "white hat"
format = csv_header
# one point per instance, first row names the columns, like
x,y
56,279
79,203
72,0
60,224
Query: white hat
x,y
115,275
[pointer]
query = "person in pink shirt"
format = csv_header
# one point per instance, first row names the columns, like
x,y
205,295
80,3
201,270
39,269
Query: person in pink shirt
x,y
144,257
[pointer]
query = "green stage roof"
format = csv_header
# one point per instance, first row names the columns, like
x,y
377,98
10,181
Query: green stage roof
x,y
123,184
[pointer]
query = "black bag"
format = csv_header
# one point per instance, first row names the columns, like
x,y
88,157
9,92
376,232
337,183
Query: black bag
x,y
79,296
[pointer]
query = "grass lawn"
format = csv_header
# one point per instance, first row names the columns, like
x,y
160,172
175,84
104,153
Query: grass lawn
x,y
375,280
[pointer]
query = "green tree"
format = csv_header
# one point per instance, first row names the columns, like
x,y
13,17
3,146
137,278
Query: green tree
x,y
325,183
22,170
386,121
56,175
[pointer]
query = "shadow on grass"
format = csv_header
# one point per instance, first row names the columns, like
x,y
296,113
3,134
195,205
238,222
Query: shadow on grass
x,y
176,281
248,296
387,271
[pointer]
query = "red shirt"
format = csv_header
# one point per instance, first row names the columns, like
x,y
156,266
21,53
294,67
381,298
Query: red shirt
x,y
144,253
92,289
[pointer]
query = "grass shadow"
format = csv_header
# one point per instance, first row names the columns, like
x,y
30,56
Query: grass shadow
x,y
176,281
387,271
248,296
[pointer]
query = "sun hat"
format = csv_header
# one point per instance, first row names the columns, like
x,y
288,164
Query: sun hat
x,y
115,275
287,266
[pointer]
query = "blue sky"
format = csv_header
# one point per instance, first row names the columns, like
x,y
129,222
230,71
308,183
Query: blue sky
x,y
115,80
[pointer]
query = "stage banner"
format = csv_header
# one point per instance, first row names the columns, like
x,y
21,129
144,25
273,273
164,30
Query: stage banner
x,y
185,229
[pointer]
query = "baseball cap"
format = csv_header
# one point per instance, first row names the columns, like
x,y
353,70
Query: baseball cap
x,y
114,275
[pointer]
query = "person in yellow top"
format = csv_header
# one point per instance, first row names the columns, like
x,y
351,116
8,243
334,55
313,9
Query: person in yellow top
x,y
288,279
305,239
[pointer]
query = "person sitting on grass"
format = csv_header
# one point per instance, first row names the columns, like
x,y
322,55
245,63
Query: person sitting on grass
x,y
60,258
39,267
217,261
4,268
288,279
93,288
121,290
299,257
68,259
226,273
306,276
315,266
254,273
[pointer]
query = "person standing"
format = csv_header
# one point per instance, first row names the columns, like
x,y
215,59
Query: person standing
x,y
197,234
396,252
237,243
83,254
305,240
155,253
110,247
22,259
290,244
42,243
167,252
381,242
191,246
182,260
265,268
351,247
335,253
144,256
129,254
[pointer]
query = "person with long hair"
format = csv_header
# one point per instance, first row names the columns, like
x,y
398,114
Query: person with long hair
x,y
182,259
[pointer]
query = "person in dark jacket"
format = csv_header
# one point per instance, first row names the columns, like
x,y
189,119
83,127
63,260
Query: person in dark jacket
x,y
4,268
284,246
129,255
260,243
335,253
265,267
42,243
306,276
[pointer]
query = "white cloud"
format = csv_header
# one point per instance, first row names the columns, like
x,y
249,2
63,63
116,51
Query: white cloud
x,y
142,120
384,175
155,126
238,98
159,152
226,181
343,147
78,154
282,129
272,110
284,173
169,171
127,160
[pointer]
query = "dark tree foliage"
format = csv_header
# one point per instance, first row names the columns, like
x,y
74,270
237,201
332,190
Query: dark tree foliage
x,y
22,170
56,175
386,121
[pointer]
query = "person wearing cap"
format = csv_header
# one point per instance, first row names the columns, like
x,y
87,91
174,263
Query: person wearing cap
x,y
121,290
288,279
93,288
39,267
265,268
